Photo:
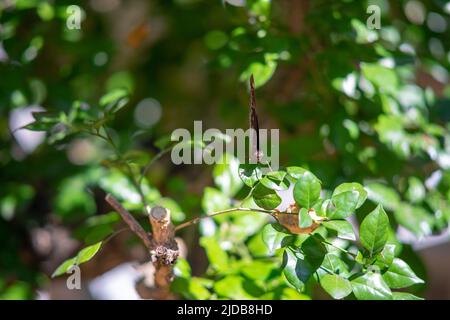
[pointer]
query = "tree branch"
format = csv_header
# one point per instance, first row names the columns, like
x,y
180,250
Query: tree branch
x,y
130,221
212,214
165,252
162,245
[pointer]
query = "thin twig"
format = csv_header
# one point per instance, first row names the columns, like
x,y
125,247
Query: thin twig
x,y
115,233
213,214
130,220
339,248
137,184
151,162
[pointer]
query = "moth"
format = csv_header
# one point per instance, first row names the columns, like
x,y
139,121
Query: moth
x,y
255,148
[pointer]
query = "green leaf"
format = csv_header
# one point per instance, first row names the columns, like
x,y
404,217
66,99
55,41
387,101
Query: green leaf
x,y
400,275
72,200
383,78
258,270
416,191
120,186
371,286
298,266
196,288
250,174
286,294
307,190
440,205
353,186
214,200
314,249
13,198
265,198
113,97
363,34
236,287
246,224
182,268
296,172
374,230
415,219
384,195
191,288
360,258
276,180
352,128
43,121
226,176
332,263
296,269
88,253
304,219
391,132
343,228
274,237
386,256
66,265
336,286
215,39
262,71
345,204
217,257
405,296
83,256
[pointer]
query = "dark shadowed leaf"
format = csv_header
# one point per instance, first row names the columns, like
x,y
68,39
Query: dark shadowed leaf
x,y
250,174
265,198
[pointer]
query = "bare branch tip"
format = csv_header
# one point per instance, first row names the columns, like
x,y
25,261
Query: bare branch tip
x,y
158,212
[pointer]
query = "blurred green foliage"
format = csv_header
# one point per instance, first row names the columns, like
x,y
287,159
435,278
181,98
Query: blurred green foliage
x,y
353,104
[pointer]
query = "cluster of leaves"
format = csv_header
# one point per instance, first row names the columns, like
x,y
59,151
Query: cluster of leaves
x,y
314,243
370,86
80,118
123,177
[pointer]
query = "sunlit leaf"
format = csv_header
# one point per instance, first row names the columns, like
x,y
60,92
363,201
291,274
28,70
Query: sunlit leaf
x,y
343,228
400,275
336,286
371,286
373,232
307,190
83,256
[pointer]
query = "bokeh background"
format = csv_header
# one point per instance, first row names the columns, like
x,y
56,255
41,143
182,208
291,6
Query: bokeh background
x,y
351,103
